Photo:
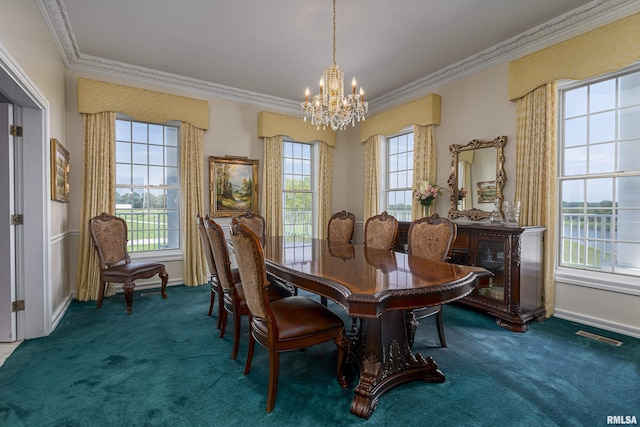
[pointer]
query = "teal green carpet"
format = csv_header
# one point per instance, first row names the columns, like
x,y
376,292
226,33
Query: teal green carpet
x,y
164,365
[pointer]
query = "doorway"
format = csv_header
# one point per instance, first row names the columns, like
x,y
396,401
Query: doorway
x,y
31,243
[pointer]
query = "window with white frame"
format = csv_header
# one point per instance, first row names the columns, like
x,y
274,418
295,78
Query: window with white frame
x,y
298,186
148,184
398,180
599,176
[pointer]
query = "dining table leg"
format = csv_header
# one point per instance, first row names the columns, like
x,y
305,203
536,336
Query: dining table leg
x,y
381,350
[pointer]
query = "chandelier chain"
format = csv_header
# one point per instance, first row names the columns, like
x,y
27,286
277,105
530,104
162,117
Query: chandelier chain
x,y
334,32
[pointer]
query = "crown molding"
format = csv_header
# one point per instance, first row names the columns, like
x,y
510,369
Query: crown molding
x,y
578,21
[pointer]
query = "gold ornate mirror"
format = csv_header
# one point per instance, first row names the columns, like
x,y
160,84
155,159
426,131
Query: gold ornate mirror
x,y
477,178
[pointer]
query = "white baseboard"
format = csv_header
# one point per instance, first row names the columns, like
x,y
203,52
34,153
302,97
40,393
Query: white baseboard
x,y
598,323
60,312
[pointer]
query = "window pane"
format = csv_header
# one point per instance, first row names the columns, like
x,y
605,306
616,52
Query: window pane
x,y
402,179
288,149
627,259
139,153
393,180
602,158
172,176
602,96
170,156
629,90
123,152
575,161
630,123
156,135
602,127
139,132
171,136
575,102
599,192
156,175
393,163
123,174
575,132
140,174
156,155
123,130
628,156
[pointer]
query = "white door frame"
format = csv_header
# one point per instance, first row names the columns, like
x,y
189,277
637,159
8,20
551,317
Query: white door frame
x,y
32,192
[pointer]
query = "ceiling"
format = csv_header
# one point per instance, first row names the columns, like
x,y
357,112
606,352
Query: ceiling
x,y
272,50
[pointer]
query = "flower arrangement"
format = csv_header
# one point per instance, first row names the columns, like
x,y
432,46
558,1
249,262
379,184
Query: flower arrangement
x,y
426,193
462,193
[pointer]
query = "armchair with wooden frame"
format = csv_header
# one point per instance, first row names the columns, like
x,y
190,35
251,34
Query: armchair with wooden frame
x,y
109,237
431,238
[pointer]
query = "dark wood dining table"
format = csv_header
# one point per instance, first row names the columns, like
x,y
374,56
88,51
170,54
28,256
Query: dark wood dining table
x,y
379,287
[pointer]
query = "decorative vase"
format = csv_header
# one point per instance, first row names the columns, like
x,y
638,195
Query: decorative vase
x,y
426,205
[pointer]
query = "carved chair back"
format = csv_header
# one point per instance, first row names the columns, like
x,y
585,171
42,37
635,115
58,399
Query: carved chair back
x,y
255,222
432,238
341,226
109,235
380,231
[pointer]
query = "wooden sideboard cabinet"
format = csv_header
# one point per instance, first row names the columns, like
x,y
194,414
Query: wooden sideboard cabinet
x,y
514,295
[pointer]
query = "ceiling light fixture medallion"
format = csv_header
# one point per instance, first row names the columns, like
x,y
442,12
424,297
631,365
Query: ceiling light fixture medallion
x,y
330,107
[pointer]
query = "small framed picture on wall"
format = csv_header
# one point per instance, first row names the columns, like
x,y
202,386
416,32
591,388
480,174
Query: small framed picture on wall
x,y
59,172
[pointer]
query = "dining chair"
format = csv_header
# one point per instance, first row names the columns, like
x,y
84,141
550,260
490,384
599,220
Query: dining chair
x,y
380,231
232,290
109,237
258,225
255,222
341,226
286,324
432,238
214,282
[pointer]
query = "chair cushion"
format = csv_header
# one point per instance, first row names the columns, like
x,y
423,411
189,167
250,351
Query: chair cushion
x,y
120,273
298,316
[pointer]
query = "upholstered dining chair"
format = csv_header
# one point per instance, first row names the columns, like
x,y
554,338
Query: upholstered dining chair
x,y
380,231
341,226
233,294
214,282
431,238
258,225
286,324
255,222
109,237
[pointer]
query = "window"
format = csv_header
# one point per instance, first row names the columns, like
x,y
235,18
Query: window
x,y
148,184
297,191
599,179
399,176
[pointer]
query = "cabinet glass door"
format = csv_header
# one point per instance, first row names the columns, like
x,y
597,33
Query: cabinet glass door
x,y
491,255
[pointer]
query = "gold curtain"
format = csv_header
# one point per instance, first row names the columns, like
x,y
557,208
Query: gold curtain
x,y
424,163
536,173
371,167
271,205
325,188
194,269
98,195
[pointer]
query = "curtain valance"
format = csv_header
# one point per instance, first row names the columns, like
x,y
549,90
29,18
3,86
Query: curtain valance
x,y
423,111
273,124
599,51
146,105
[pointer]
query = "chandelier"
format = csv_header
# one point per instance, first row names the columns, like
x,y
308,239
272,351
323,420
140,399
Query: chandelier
x,y
330,107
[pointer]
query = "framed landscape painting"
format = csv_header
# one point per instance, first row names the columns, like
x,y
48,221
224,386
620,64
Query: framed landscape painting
x,y
59,172
233,184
